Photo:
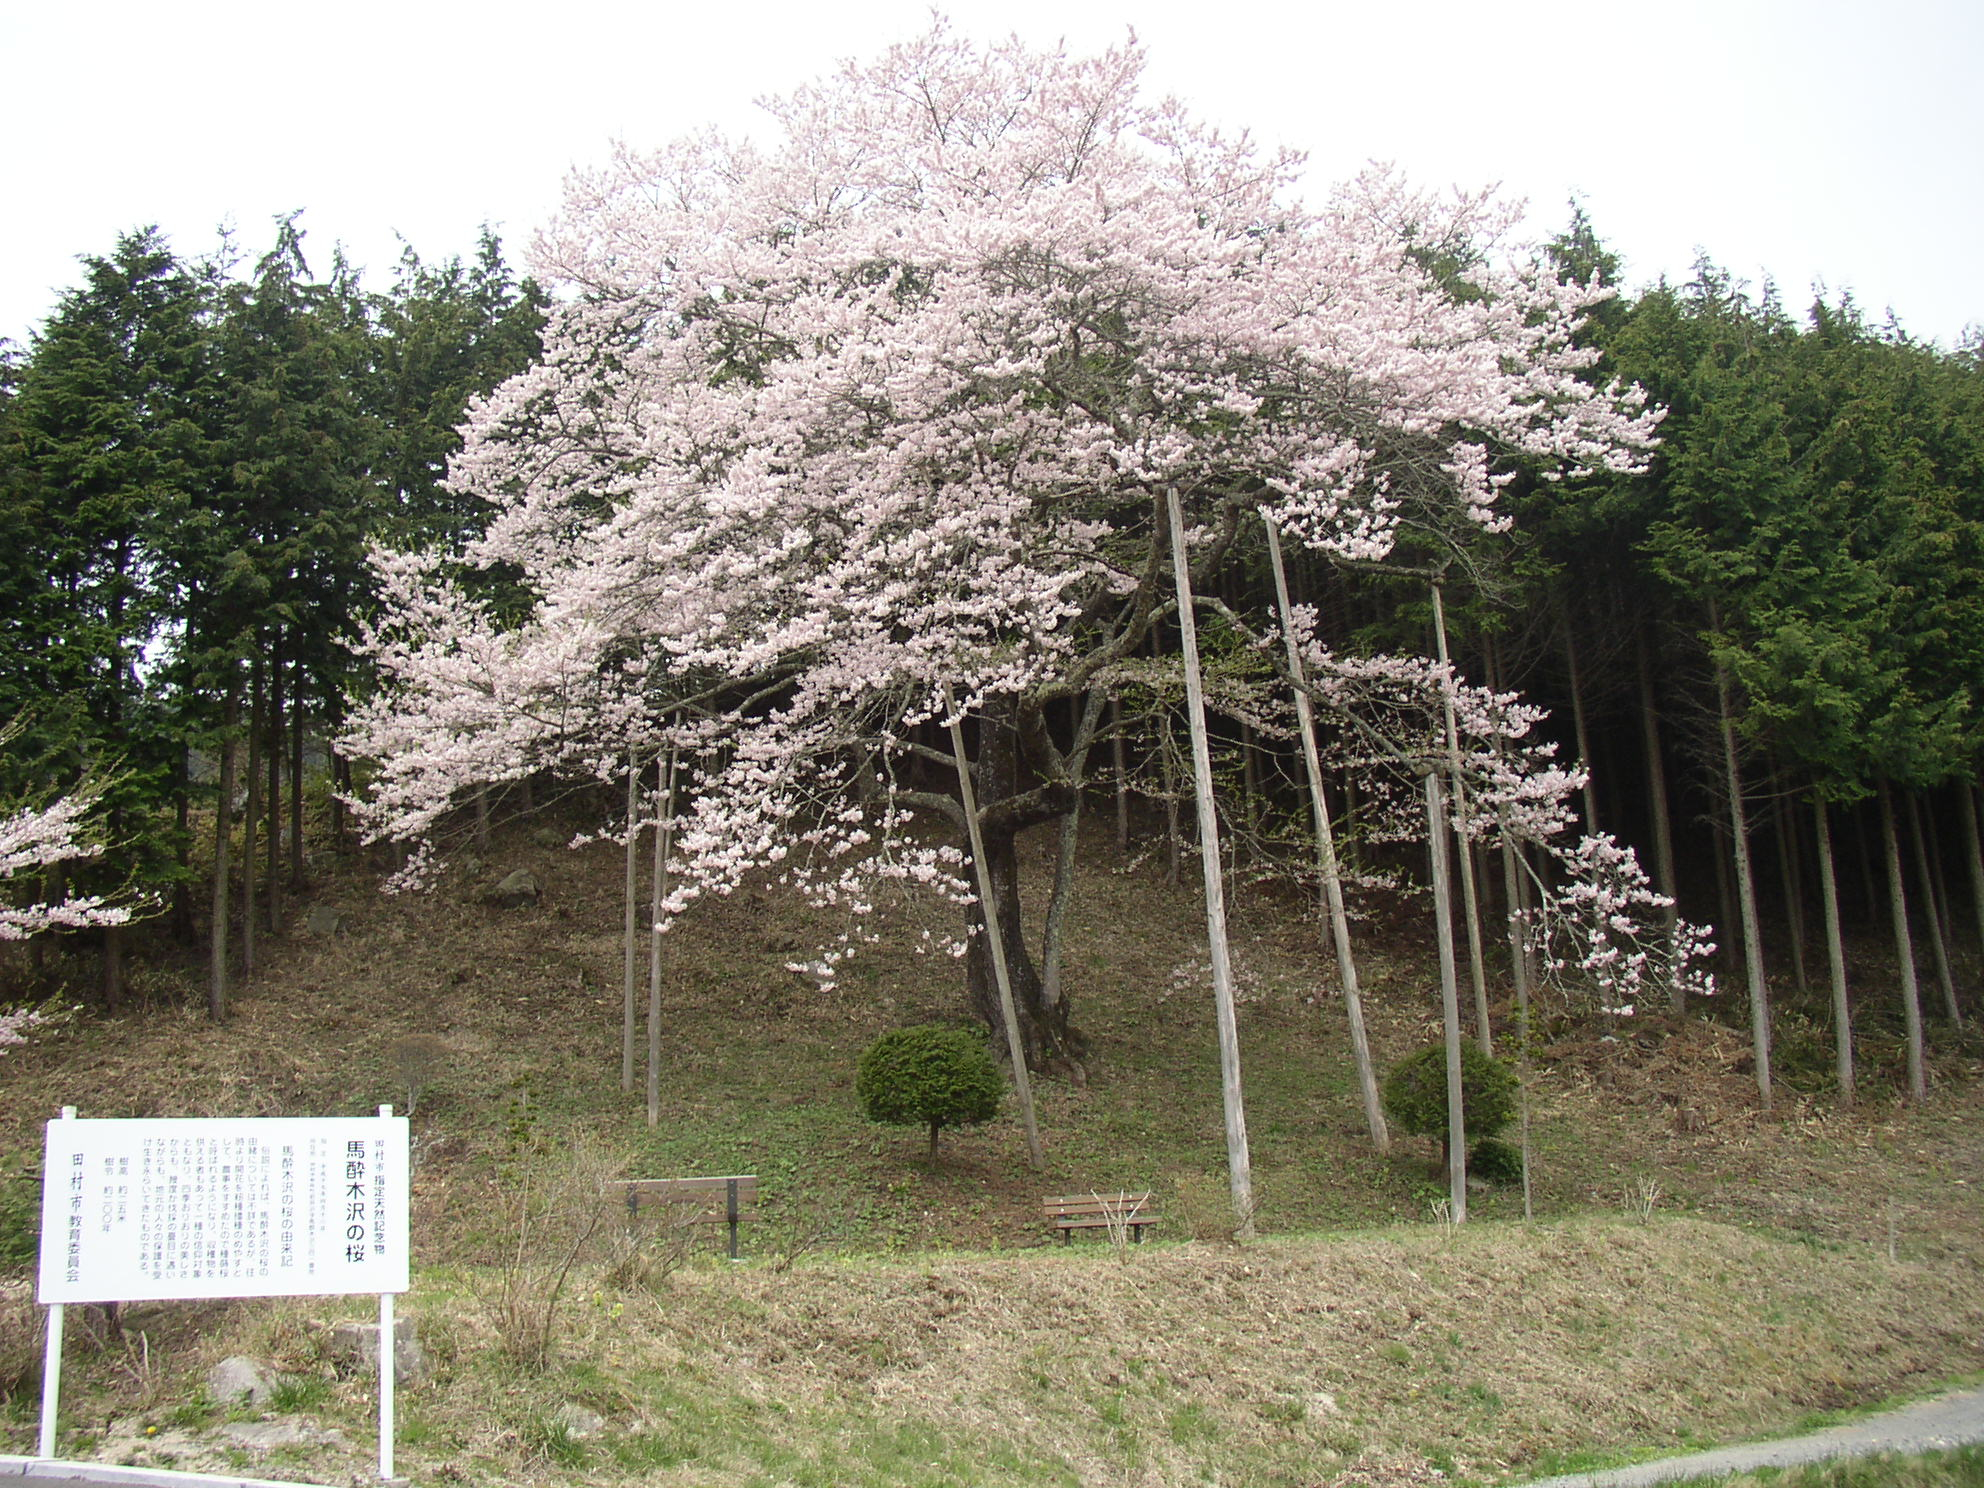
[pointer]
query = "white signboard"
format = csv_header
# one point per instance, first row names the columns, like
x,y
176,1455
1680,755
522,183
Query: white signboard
x,y
232,1207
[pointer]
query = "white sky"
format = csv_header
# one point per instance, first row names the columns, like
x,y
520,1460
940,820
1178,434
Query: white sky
x,y
1808,140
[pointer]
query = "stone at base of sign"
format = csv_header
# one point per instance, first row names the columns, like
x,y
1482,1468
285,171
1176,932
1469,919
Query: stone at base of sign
x,y
238,1377
354,1349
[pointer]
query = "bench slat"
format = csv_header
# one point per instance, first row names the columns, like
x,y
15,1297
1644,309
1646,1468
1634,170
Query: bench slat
x,y
687,1188
725,1200
1093,1211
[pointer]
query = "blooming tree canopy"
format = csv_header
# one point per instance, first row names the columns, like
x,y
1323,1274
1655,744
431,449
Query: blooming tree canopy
x,y
892,401
32,839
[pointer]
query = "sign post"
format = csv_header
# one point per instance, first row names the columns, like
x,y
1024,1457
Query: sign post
x,y
140,1210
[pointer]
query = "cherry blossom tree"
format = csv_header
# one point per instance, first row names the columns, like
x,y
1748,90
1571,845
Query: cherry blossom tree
x,y
34,838
893,401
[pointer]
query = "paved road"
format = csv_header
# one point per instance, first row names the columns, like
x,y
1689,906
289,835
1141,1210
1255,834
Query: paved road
x,y
1947,1421
32,1472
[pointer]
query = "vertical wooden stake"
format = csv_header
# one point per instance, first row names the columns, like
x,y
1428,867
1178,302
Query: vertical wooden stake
x,y
1239,1165
664,843
1346,964
631,922
1443,925
994,938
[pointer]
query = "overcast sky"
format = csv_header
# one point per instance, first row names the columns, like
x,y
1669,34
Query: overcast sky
x,y
1808,140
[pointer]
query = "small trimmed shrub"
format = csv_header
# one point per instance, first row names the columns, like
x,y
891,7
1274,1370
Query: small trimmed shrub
x,y
1415,1093
931,1075
1495,1161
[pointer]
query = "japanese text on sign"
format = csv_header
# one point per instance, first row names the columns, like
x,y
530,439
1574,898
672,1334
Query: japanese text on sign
x,y
236,1207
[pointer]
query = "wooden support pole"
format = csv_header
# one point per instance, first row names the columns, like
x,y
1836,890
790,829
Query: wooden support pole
x,y
1239,1165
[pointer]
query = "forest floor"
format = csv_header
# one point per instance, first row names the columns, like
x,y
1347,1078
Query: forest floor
x,y
1697,1270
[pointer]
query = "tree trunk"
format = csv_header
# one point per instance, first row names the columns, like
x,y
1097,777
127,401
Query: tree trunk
x,y
296,743
1173,835
1746,886
1250,780
1842,1012
1582,732
1904,950
994,939
277,720
1973,851
1932,912
182,814
251,817
1793,887
1239,1162
1665,878
1067,849
223,832
1117,751
1046,1032
1470,899
1728,945
113,969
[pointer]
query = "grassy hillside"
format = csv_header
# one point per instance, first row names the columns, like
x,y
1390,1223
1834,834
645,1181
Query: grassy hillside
x,y
1697,1270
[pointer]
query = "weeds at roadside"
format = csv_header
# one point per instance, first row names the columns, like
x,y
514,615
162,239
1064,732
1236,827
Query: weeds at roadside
x,y
550,1217
1642,1197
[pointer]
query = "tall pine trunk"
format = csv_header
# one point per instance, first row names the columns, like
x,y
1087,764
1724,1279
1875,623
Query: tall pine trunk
x,y
1973,852
223,834
1932,913
277,729
1842,1012
1904,950
251,817
1793,888
1746,884
1581,729
1664,877
296,751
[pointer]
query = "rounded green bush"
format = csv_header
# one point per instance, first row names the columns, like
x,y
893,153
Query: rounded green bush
x,y
931,1075
1495,1161
1415,1093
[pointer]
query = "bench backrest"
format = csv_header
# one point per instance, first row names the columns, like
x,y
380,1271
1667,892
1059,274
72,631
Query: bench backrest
x,y
719,1198
1121,1207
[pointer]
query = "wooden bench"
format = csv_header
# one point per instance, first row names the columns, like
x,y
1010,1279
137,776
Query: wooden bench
x,y
726,1200
1093,1211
